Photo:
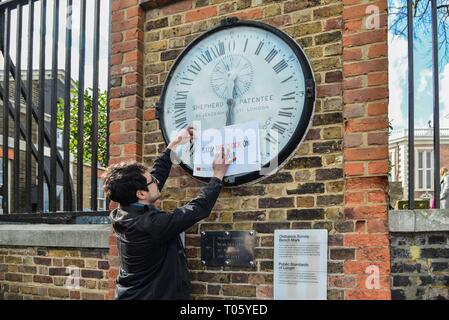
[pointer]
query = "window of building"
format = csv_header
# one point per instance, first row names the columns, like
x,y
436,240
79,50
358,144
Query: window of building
x,y
1,183
46,198
424,170
59,198
101,197
392,169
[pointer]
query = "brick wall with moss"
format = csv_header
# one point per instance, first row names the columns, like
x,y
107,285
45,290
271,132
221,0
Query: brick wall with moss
x,y
40,273
420,266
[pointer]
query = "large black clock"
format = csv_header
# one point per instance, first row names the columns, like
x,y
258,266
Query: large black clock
x,y
237,72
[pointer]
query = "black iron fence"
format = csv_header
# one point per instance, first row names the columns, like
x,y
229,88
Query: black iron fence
x,y
411,107
408,19
44,166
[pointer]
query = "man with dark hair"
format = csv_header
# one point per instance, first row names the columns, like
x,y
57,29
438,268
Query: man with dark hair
x,y
153,264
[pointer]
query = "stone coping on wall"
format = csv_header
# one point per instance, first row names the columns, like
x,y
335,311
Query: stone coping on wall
x,y
54,235
418,220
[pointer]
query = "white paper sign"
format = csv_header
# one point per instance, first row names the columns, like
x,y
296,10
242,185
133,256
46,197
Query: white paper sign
x,y
300,265
240,140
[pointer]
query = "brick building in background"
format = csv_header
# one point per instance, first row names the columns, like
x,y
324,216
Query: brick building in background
x,y
424,153
338,177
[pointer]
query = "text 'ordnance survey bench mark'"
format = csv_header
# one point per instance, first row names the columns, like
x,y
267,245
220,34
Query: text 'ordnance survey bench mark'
x,y
300,264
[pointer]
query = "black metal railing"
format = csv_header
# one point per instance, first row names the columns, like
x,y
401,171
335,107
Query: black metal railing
x,y
436,106
410,18
32,167
411,106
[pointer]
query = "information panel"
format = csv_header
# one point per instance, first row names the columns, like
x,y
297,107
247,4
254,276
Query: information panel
x,y
300,264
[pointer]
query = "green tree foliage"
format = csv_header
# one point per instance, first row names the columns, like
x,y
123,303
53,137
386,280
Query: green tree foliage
x,y
102,124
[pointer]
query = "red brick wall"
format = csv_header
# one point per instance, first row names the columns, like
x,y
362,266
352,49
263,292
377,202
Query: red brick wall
x,y
365,74
350,68
126,104
444,155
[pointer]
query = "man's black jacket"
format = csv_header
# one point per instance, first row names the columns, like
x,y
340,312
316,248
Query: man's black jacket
x,y
152,259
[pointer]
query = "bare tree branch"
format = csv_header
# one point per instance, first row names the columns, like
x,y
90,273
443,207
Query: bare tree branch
x,y
423,23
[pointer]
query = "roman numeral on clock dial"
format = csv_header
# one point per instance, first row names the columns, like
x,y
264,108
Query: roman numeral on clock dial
x,y
287,79
180,123
186,81
285,114
288,96
207,56
181,95
271,139
271,55
280,127
194,68
180,105
259,47
281,65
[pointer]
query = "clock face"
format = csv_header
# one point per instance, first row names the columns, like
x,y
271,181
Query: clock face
x,y
236,73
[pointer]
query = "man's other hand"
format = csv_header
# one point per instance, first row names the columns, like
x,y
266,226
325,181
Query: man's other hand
x,y
183,136
221,164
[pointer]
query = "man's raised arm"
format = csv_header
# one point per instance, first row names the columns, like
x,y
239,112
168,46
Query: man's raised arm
x,y
162,165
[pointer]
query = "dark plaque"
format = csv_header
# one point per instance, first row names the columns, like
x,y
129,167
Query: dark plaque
x,y
228,248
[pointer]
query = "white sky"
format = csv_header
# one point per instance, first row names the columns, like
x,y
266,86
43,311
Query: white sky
x,y
423,73
75,21
444,97
397,76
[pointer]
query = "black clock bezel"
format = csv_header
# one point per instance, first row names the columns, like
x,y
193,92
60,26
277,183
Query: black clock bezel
x,y
306,116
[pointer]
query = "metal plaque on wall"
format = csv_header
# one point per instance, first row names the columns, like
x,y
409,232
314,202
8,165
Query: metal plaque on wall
x,y
228,248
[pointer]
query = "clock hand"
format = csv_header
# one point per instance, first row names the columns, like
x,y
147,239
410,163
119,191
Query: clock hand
x,y
234,93
231,101
234,89
229,117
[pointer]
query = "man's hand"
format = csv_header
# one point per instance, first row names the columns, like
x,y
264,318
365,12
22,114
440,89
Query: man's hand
x,y
183,136
221,164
